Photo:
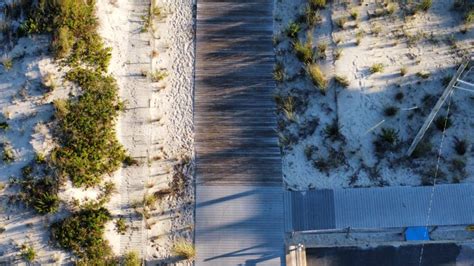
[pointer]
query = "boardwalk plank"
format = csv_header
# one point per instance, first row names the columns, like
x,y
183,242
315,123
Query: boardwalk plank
x,y
239,193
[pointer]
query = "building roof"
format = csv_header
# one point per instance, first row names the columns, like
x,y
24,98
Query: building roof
x,y
386,207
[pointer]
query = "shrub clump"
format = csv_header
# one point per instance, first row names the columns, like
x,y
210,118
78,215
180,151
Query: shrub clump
x,y
184,249
293,30
279,72
304,51
317,77
375,68
89,148
132,258
390,111
41,194
342,80
74,28
28,253
425,5
460,146
317,4
442,123
387,140
82,233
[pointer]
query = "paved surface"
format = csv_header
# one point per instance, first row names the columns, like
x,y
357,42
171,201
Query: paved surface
x,y
433,254
239,192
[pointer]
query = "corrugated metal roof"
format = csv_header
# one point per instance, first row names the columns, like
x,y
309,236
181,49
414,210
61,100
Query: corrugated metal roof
x,y
382,207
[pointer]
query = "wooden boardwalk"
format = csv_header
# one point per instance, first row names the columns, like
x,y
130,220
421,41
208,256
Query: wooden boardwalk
x,y
239,192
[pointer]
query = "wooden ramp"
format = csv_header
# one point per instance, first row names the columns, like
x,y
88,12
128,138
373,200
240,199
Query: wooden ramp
x,y
239,192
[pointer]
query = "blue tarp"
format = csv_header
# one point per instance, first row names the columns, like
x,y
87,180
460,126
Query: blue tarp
x,y
417,233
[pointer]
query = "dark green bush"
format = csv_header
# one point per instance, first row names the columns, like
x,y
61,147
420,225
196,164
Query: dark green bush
x,y
82,233
40,194
390,111
387,140
28,253
317,4
422,149
304,51
4,125
293,30
443,122
89,147
333,131
74,28
460,145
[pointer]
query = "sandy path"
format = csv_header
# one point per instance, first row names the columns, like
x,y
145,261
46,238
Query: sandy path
x,y
131,56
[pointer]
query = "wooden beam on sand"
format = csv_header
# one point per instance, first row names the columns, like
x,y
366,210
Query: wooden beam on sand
x,y
447,92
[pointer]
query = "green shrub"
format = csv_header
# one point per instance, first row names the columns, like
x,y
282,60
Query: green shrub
x,y
121,226
279,72
376,68
40,158
304,51
422,149
4,125
425,5
7,63
354,13
333,131
342,80
8,154
132,258
289,107
317,77
469,17
391,8
341,22
28,253
423,74
317,4
399,96
89,147
63,42
322,47
390,111
403,71
312,16
460,146
184,249
40,194
387,140
443,122
293,30
74,28
158,75
82,233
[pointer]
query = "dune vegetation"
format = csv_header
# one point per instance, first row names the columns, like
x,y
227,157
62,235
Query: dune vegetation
x,y
88,148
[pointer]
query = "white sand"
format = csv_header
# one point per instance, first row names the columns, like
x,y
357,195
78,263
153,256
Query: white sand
x,y
28,111
156,129
360,106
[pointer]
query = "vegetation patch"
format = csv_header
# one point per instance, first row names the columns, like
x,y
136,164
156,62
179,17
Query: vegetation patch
x,y
82,233
74,28
184,249
41,194
317,77
89,148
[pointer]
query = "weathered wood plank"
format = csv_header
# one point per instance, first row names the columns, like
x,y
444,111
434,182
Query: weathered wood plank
x,y
239,199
